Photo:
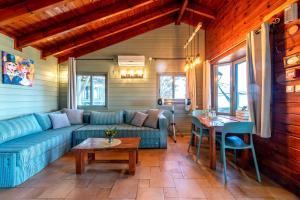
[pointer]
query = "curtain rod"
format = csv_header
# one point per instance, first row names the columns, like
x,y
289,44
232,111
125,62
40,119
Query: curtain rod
x,y
168,58
114,59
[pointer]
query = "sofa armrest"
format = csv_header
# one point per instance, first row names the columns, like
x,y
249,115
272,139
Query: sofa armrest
x,y
163,127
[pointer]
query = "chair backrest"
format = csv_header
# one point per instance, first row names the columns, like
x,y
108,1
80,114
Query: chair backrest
x,y
238,127
198,112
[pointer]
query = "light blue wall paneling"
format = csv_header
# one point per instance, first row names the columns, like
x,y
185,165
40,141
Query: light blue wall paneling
x,y
43,96
165,42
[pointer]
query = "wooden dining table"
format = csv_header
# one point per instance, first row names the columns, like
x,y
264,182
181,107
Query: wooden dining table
x,y
217,123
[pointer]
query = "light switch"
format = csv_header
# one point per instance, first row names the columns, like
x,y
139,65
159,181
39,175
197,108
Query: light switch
x,y
290,88
297,88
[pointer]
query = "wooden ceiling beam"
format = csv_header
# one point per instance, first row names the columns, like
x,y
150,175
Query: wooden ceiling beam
x,y
122,36
10,12
109,30
182,9
201,10
81,20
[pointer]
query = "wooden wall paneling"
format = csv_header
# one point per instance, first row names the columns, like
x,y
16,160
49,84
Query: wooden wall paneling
x,y
278,156
230,28
284,142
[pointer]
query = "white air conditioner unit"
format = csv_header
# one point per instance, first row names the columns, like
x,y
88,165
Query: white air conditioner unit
x,y
131,61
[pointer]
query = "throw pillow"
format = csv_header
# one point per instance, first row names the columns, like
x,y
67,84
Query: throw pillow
x,y
139,119
44,120
59,120
75,116
153,115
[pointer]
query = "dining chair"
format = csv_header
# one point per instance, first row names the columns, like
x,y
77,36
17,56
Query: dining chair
x,y
236,143
199,131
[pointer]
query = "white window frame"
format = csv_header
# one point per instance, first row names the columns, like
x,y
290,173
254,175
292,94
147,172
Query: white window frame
x,y
91,106
233,88
173,86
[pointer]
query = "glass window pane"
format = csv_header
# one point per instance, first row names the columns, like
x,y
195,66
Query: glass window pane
x,y
224,87
166,87
83,90
98,90
241,77
180,87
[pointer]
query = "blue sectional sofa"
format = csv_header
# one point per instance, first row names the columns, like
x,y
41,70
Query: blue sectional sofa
x,y
28,143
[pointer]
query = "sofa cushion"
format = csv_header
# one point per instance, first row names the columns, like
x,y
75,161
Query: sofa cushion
x,y
59,120
44,120
75,116
152,120
139,119
18,127
106,118
29,147
129,114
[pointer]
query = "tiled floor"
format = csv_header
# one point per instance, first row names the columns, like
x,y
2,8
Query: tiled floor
x,y
161,174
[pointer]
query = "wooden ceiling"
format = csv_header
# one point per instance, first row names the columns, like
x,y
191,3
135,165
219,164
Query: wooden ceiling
x,y
72,28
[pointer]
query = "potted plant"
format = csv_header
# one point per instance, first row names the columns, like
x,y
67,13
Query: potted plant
x,y
109,134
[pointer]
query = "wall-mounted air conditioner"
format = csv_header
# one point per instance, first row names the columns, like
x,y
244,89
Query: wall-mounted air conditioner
x,y
131,61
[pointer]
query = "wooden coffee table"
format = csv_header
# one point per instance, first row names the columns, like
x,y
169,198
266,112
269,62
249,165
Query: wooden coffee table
x,y
91,145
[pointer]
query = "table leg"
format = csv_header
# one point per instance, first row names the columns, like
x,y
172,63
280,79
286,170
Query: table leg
x,y
91,157
245,154
132,162
137,156
79,161
212,149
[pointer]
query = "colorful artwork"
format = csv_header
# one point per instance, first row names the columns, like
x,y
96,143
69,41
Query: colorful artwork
x,y
17,70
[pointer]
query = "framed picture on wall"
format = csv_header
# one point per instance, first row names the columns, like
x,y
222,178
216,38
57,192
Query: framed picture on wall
x,y
17,70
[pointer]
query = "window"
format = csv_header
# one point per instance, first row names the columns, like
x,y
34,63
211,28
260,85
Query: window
x,y
241,85
172,86
223,88
91,89
230,87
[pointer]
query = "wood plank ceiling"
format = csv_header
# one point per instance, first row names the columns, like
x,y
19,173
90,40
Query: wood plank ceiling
x,y
72,28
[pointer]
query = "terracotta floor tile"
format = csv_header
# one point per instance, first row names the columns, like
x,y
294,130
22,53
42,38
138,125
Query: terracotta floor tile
x,y
170,193
217,194
124,188
83,193
60,190
150,194
189,188
170,173
105,179
144,183
162,179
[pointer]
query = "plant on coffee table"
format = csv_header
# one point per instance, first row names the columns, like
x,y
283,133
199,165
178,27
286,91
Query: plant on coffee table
x,y
110,133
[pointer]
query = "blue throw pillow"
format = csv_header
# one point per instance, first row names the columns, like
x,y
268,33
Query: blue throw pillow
x,y
106,118
44,120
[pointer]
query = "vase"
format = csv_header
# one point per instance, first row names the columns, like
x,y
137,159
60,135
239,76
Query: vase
x,y
110,140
